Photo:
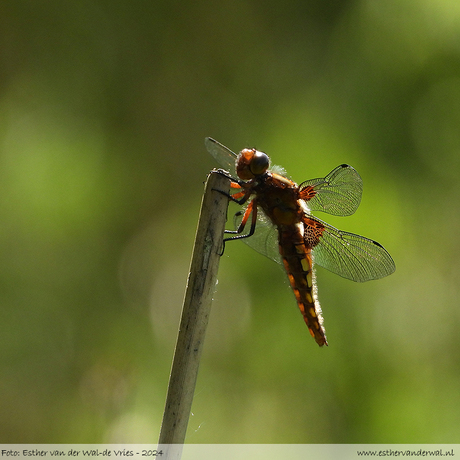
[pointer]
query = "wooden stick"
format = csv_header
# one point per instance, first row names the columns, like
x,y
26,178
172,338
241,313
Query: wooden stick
x,y
195,314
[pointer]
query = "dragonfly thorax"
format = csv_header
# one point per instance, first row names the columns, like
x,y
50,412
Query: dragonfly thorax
x,y
278,197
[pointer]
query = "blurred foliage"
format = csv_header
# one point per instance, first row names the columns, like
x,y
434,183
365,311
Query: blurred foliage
x,y
103,110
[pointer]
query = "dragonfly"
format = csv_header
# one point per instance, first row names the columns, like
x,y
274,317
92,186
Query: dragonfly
x,y
283,228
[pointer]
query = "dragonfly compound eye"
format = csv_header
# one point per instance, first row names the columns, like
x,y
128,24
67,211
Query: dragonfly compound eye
x,y
259,163
251,163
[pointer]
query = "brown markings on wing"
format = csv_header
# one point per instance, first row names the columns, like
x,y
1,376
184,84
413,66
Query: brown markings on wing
x,y
307,193
313,230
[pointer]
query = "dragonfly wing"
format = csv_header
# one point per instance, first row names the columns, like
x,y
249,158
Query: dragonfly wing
x,y
339,193
352,256
265,238
223,155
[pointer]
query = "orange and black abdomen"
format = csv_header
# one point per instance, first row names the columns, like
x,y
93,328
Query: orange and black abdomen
x,y
297,261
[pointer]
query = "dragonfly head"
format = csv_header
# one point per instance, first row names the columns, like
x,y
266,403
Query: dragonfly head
x,y
251,163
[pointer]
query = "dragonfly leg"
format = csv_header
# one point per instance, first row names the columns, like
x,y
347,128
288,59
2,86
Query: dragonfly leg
x,y
240,197
243,195
252,208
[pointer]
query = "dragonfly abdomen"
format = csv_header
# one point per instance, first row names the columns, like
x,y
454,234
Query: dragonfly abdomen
x,y
298,263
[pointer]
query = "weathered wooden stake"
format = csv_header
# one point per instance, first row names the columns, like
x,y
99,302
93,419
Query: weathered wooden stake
x,y
195,314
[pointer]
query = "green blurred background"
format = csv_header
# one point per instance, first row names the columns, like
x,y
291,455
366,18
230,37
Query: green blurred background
x,y
104,107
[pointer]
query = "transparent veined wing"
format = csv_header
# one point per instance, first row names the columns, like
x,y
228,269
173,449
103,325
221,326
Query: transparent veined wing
x,y
265,238
223,155
351,256
339,193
